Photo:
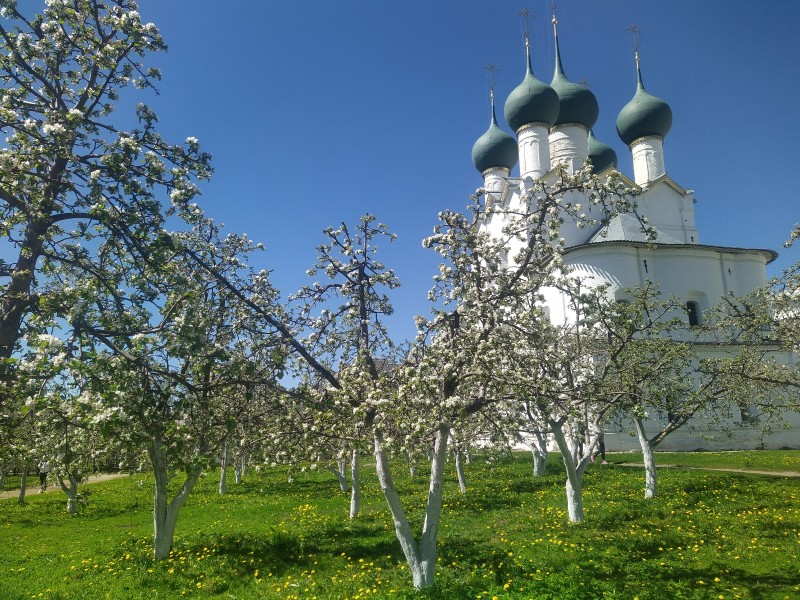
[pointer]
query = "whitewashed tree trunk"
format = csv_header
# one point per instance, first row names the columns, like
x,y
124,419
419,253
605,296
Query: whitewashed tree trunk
x,y
539,462
462,479
411,461
238,467
468,454
23,484
223,470
71,491
649,460
165,513
243,466
539,452
355,485
575,465
341,478
340,471
421,558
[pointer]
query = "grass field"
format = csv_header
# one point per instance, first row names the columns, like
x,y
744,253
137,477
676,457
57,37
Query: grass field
x,y
707,535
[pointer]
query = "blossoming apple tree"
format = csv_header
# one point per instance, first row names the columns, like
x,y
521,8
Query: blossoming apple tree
x,y
76,188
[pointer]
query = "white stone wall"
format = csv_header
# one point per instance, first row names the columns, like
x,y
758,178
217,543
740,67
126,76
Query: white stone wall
x,y
648,159
569,145
534,150
669,211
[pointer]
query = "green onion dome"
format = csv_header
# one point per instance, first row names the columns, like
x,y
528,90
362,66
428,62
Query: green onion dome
x,y
495,148
532,101
577,104
601,155
645,115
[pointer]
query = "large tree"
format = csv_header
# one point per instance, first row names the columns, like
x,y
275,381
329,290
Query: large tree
x,y
460,363
344,316
167,354
79,187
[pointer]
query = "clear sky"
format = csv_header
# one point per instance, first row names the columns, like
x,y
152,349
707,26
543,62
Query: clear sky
x,y
317,112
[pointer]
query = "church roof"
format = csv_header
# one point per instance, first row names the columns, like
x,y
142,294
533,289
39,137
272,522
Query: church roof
x,y
602,156
577,104
629,228
532,101
769,255
645,115
495,148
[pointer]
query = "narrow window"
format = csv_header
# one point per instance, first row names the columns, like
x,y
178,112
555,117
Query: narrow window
x,y
693,311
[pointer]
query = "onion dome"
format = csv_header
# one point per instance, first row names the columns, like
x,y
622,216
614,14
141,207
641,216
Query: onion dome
x,y
495,148
601,155
532,101
577,104
645,115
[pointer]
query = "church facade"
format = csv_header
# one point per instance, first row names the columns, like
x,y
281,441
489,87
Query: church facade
x,y
552,125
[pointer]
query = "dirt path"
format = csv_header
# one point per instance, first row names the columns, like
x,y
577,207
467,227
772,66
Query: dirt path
x,y
53,484
724,469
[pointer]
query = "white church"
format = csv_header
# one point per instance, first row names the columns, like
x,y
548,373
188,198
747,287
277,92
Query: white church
x,y
553,126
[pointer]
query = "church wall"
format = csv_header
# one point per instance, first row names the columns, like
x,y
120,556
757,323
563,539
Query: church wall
x,y
701,273
670,212
730,432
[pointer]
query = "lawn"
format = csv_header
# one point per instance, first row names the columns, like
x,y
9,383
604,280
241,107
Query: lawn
x,y
707,535
759,460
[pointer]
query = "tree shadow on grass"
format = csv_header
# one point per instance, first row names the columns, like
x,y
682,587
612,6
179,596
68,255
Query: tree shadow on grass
x,y
676,578
359,539
531,485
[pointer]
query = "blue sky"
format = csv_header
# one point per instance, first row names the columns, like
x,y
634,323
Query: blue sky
x,y
317,112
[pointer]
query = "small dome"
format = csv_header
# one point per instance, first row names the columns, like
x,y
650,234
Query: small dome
x,y
645,115
601,155
495,148
577,104
532,101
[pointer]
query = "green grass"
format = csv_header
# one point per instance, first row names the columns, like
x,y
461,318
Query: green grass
x,y
759,460
707,535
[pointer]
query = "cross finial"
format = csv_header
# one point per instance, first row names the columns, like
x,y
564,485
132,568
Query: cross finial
x,y
526,16
635,31
491,69
555,20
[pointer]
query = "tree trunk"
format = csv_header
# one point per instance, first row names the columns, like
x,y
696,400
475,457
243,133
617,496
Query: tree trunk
x,y
340,471
71,491
341,478
539,462
649,459
23,484
17,294
421,558
411,461
238,464
539,452
355,485
223,470
462,480
165,513
574,499
575,465
433,511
